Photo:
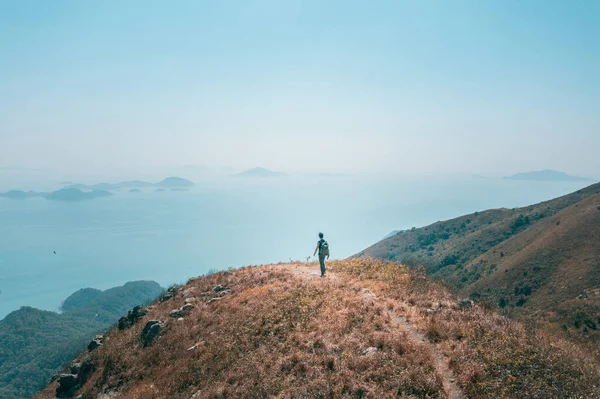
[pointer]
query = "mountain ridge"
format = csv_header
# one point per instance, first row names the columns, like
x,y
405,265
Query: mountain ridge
x,y
539,262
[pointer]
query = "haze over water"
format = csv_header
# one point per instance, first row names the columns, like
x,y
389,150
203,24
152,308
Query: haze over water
x,y
172,236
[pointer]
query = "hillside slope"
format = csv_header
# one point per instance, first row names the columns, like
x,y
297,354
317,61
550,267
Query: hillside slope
x,y
371,329
35,343
540,261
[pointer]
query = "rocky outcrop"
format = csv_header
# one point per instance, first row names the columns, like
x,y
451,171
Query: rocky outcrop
x,y
151,331
170,293
132,317
96,343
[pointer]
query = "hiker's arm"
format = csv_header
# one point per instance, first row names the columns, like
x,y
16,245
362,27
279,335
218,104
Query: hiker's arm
x,y
316,249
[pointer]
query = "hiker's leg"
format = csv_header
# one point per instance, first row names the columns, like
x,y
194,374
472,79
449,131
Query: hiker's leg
x,y
322,263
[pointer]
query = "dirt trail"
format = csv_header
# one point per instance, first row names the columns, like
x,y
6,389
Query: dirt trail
x,y
452,390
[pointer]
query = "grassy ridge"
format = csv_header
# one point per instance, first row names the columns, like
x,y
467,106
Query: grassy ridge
x,y
284,333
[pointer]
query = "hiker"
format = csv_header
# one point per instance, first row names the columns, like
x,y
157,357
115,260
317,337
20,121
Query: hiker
x,y
323,248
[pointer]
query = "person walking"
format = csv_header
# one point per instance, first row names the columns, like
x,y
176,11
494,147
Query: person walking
x,y
323,249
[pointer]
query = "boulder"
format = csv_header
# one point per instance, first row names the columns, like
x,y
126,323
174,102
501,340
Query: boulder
x,y
212,300
67,385
151,331
224,292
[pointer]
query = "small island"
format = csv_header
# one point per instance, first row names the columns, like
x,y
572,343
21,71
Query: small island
x,y
260,173
64,194
547,175
171,182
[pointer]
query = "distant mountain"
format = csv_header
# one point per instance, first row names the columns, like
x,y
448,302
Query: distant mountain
x,y
167,183
546,175
74,194
171,182
135,190
160,190
260,172
35,343
18,194
177,189
64,194
112,186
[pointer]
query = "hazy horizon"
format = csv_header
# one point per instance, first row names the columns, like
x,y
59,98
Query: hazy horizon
x,y
436,88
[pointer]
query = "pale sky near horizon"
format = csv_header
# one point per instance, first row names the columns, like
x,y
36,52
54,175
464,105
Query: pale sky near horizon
x,y
423,87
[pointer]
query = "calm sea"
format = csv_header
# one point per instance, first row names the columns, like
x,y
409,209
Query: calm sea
x,y
171,236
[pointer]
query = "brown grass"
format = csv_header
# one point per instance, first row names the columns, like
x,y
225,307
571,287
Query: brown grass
x,y
285,335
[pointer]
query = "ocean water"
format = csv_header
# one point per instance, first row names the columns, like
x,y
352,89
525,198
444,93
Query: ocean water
x,y
172,236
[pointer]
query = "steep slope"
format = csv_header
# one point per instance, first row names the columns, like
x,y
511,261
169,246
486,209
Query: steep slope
x,y
540,261
35,343
371,329
552,268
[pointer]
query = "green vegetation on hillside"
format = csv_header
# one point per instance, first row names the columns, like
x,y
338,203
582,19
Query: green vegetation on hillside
x,y
35,343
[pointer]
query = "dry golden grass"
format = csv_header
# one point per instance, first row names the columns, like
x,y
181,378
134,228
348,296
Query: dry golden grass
x,y
287,334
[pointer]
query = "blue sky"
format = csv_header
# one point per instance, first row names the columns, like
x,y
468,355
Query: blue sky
x,y
414,87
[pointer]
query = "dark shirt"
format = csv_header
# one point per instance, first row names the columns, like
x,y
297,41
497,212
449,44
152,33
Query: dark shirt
x,y
321,241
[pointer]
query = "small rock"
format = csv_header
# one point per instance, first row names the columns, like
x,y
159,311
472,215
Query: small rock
x,y
224,292
182,311
180,319
370,351
212,300
465,303
218,288
431,311
193,348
